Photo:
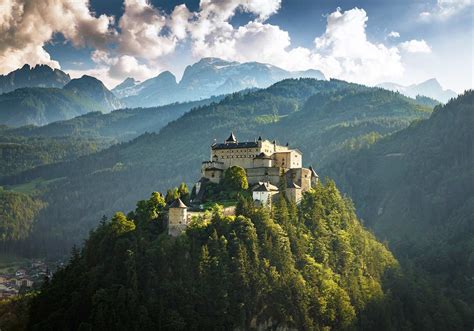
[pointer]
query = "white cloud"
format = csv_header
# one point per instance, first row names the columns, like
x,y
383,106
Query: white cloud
x,y
393,34
343,51
444,9
142,31
25,27
144,36
415,46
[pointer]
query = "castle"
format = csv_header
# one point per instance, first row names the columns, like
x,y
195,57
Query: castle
x,y
264,162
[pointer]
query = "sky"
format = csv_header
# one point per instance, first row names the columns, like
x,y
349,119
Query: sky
x,y
368,42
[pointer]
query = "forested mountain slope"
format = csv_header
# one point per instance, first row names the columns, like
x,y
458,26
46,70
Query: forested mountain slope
x,y
20,153
416,189
115,178
308,267
40,106
121,124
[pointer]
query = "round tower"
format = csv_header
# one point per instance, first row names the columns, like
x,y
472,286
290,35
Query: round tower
x,y
177,217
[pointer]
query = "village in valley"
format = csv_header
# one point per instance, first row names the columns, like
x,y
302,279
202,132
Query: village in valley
x,y
20,278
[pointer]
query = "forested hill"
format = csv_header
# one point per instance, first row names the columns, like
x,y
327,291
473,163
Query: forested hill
x,y
28,147
415,188
122,124
224,273
310,267
86,189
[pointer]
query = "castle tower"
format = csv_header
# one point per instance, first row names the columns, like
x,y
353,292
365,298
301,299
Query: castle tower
x,y
293,192
177,217
314,177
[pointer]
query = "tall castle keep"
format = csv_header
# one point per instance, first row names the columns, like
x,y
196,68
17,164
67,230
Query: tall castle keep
x,y
264,162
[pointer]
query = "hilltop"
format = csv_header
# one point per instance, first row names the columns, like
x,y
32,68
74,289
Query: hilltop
x,y
116,177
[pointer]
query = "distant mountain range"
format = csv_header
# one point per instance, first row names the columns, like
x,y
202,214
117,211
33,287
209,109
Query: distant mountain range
x,y
430,88
41,105
38,76
208,77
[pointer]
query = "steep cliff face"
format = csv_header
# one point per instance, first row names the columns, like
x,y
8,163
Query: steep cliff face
x,y
95,90
38,76
205,78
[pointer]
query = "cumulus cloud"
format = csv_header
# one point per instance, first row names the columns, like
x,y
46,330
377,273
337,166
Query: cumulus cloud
x,y
142,31
415,46
444,9
343,51
393,34
26,25
136,43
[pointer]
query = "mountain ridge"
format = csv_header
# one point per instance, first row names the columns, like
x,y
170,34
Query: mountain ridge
x,y
40,106
37,76
205,78
429,88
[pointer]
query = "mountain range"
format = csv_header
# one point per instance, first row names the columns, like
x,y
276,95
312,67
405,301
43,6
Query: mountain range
x,y
430,88
40,105
38,76
208,77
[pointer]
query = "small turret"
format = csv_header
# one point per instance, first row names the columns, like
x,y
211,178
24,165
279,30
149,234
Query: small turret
x,y
177,217
232,138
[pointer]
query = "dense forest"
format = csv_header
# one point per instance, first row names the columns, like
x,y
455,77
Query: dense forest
x,y
122,124
351,115
408,169
30,146
17,213
19,153
415,188
307,267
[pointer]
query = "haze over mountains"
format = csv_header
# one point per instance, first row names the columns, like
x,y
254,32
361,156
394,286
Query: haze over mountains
x,y
49,95
430,88
208,77
40,106
65,176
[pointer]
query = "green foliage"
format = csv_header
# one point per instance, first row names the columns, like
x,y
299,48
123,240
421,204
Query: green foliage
x,y
122,124
120,224
18,213
14,312
23,153
235,178
415,190
41,106
183,191
224,272
171,195
319,117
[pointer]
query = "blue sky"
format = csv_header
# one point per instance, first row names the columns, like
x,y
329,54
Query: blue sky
x,y
362,41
